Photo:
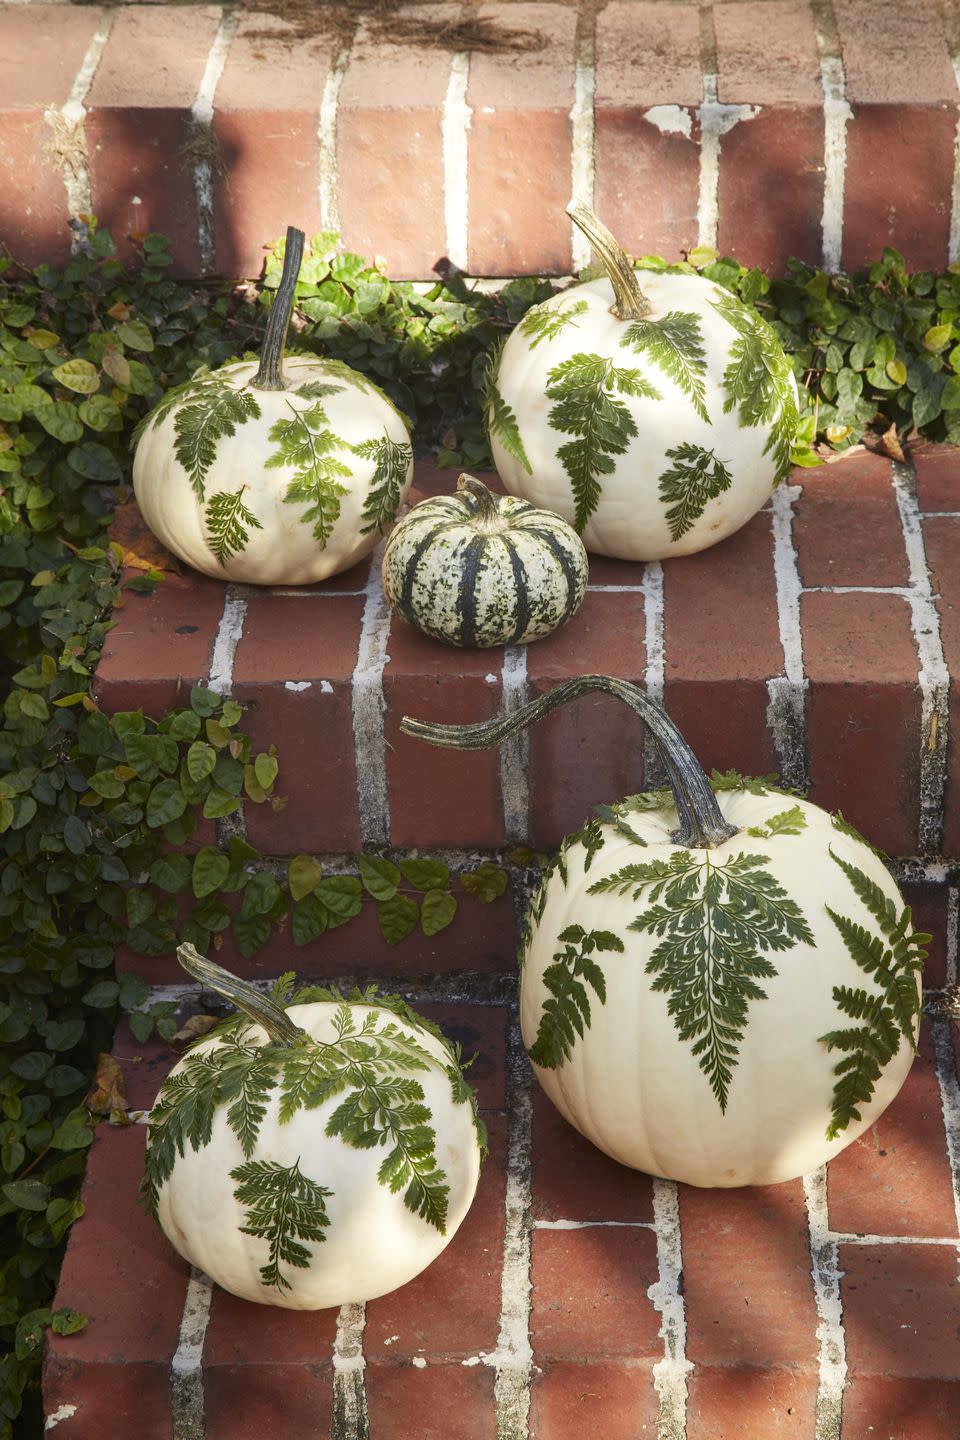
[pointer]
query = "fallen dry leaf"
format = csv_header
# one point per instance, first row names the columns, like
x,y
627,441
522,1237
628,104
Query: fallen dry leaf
x,y
107,1092
890,444
194,1027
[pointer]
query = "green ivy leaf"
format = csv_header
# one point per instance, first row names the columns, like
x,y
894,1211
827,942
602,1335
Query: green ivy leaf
x,y
165,802
77,375
486,883
437,910
304,874
201,759
397,918
210,870
380,878
425,874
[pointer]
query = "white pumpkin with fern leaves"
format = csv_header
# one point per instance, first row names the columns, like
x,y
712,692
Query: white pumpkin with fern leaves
x,y
278,472
654,411
315,1150
720,983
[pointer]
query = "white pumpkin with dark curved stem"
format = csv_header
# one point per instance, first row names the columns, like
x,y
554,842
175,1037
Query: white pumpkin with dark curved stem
x,y
653,411
719,988
314,1155
277,473
477,569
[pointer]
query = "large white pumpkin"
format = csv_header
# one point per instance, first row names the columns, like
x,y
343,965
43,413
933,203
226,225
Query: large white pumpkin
x,y
321,1157
720,989
284,471
653,411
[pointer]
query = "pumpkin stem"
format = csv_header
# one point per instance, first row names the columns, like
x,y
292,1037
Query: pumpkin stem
x,y
630,302
487,511
701,823
270,374
245,996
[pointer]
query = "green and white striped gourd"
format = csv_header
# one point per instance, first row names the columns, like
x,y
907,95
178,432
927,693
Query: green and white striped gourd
x,y
655,412
314,1150
477,569
720,982
277,473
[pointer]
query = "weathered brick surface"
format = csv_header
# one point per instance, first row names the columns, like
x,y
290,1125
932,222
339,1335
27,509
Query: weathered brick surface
x,y
266,173
909,1409
434,1402
746,1269
755,155
573,1180
519,148
942,538
606,635
716,667
863,713
895,1179
900,1312
743,1404
867,547
613,1398
590,1294
285,1401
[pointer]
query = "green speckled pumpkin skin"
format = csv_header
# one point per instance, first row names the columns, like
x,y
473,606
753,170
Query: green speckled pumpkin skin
x,y
481,572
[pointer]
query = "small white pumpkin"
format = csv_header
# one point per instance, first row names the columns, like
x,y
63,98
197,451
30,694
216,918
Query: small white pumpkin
x,y
314,1155
279,473
478,569
657,420
723,989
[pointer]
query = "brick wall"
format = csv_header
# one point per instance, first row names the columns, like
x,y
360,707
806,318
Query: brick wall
x,y
820,128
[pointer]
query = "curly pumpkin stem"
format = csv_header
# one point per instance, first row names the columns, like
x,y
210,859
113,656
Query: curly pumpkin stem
x,y
701,824
270,374
630,302
245,996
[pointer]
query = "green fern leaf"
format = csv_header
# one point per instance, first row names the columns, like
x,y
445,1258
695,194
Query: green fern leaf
x,y
283,1207
392,461
675,343
757,378
502,422
304,444
893,959
545,321
695,477
566,1014
785,822
213,412
229,523
717,922
584,405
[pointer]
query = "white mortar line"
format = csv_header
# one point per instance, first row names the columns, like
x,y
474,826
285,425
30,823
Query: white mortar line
x,y
913,869
583,131
349,1419
934,674
229,633
655,673
513,1358
836,113
455,127
594,1225
621,589
903,592
715,121
940,515
786,710
949,1102
952,29
826,1273
62,1412
370,748
855,1238
515,752
186,1368
76,176
953,934
670,1373
328,175
201,115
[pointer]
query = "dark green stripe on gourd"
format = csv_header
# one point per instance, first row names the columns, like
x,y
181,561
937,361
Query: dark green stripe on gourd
x,y
475,569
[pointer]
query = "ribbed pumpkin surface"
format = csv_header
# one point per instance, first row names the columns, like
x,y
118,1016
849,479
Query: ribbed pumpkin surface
x,y
475,583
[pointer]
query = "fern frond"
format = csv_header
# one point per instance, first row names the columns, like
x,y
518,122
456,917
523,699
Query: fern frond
x,y
566,1014
695,477
392,461
675,343
283,1207
229,523
546,320
211,413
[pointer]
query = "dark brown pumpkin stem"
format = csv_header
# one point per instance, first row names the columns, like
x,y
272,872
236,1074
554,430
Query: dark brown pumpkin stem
x,y
630,302
487,509
245,996
270,374
701,823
